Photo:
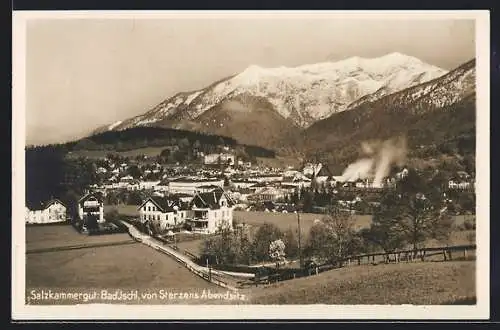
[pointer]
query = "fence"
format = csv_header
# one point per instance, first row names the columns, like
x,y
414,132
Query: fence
x,y
267,275
411,255
207,275
190,255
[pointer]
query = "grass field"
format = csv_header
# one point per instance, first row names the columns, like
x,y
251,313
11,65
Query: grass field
x,y
125,267
284,221
428,283
137,267
128,267
41,237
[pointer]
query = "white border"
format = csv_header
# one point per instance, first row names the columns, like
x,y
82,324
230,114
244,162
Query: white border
x,y
116,312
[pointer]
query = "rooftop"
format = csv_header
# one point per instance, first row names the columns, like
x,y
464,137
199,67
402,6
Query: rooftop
x,y
165,204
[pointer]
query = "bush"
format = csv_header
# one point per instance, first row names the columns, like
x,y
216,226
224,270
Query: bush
x,y
470,224
112,215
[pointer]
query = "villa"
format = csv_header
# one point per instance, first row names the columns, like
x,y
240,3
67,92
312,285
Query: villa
x,y
211,211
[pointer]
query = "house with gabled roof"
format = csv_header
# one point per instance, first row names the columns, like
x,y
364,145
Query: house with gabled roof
x,y
211,211
188,185
91,205
166,212
52,211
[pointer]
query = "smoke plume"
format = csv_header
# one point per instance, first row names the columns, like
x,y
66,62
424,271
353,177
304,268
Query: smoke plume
x,y
380,156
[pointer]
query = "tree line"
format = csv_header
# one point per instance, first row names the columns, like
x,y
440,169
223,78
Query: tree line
x,y
184,144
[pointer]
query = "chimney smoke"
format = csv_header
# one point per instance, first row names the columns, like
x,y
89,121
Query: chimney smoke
x,y
379,157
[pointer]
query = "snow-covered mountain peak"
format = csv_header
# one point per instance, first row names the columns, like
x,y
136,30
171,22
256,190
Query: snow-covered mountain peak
x,y
304,94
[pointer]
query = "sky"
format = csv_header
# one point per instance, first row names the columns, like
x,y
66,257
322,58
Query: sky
x,y
85,73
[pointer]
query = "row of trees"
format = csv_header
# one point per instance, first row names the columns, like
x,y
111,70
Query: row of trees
x,y
50,174
123,196
406,218
184,145
243,247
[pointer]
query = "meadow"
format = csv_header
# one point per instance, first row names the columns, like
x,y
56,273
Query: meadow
x,y
133,266
43,237
427,283
127,267
138,267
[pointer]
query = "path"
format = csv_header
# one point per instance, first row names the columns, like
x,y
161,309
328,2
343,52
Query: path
x,y
220,278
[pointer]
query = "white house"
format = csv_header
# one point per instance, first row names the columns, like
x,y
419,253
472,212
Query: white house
x,y
167,212
189,186
268,194
162,186
91,205
133,185
52,212
299,181
241,194
267,178
125,181
223,158
211,210
206,188
146,185
242,183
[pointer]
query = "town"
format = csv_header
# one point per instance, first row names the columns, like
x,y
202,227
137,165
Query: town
x,y
201,197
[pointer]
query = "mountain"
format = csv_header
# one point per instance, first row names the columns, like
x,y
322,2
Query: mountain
x,y
437,114
295,97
